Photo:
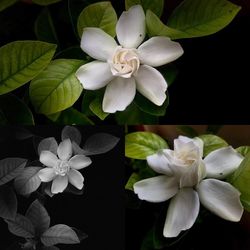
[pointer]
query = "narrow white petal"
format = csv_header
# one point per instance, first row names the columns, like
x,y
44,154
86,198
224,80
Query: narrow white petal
x,y
222,162
221,198
131,27
76,178
59,184
64,150
94,75
46,174
48,159
119,93
97,44
156,189
159,163
182,212
79,161
158,51
151,84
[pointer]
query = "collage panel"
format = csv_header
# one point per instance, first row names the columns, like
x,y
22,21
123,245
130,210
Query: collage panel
x,y
61,187
187,187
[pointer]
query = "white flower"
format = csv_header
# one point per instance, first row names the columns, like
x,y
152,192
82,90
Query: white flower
x,y
183,171
64,168
126,67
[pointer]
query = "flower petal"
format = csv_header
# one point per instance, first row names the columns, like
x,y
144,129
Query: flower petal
x,y
151,84
158,51
79,161
222,162
64,150
48,159
221,198
156,189
159,163
94,75
131,27
59,184
182,212
46,174
119,93
76,178
98,44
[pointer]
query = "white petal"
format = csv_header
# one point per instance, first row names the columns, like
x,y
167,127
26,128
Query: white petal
x,y
98,44
46,174
156,189
159,163
151,84
79,161
119,93
222,162
64,150
221,198
75,178
131,27
48,159
158,51
94,75
59,184
182,212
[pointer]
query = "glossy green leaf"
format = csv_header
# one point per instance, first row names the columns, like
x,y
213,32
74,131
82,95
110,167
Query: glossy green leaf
x,y
243,150
21,61
72,133
201,18
10,168
101,15
139,145
8,203
135,177
154,5
96,107
49,144
57,87
211,143
28,181
9,105
59,234
4,4
39,217
45,2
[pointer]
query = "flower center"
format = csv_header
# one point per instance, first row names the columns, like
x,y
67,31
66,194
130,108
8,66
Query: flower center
x,y
62,168
125,62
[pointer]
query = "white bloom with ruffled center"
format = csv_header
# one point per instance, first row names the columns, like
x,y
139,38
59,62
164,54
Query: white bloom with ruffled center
x,y
63,168
188,180
126,67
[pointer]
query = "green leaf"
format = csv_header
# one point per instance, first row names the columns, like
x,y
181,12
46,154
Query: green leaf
x,y
72,133
155,27
39,217
211,143
49,144
96,107
243,150
139,145
28,181
4,4
148,107
154,5
21,61
21,226
8,203
57,87
101,15
10,168
134,177
9,105
187,130
59,234
45,2
201,18
241,180
44,27
148,243
73,117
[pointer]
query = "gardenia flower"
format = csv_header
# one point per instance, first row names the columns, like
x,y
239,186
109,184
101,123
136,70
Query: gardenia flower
x,y
189,180
126,67
62,168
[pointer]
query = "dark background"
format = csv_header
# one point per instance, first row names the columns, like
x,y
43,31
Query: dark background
x,y
99,212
